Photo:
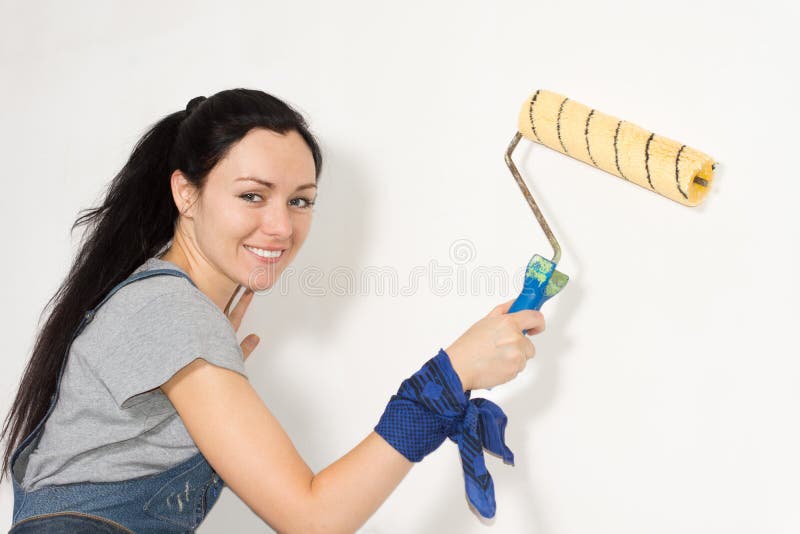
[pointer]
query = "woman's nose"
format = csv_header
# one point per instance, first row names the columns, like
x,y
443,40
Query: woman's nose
x,y
277,221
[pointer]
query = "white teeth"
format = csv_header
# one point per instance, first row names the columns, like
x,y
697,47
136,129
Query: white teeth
x,y
265,253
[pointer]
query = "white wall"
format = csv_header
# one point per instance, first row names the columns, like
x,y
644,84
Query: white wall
x,y
663,397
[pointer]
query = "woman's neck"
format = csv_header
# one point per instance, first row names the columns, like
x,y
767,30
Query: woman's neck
x,y
215,285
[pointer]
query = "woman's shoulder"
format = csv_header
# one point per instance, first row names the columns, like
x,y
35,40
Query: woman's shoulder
x,y
151,328
162,297
140,292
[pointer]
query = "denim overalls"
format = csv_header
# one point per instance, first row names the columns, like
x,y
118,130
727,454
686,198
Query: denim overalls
x,y
175,500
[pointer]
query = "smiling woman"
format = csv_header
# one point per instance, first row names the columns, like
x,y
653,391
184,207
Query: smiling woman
x,y
138,375
239,224
148,294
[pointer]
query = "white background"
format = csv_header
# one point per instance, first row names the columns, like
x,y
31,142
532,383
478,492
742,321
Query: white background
x,y
663,397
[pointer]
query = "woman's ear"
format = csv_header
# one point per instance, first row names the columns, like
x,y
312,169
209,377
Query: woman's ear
x,y
184,193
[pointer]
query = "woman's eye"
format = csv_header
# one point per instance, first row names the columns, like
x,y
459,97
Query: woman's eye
x,y
308,202
248,196
305,202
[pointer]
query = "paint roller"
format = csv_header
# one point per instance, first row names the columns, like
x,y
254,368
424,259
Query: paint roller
x,y
621,148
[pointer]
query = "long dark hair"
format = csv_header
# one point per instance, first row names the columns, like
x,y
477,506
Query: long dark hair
x,y
135,222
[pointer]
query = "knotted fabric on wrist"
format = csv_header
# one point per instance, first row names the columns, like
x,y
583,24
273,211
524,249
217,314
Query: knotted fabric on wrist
x,y
431,406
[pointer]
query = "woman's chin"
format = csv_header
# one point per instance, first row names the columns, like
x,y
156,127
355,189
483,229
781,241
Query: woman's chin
x,y
263,277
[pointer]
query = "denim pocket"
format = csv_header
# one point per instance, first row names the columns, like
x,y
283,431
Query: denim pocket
x,y
214,489
68,522
182,500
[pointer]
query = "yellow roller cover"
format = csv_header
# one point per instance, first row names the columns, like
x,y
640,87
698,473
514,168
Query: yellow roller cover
x,y
619,147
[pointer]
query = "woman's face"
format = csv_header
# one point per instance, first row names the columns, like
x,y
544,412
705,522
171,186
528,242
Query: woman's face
x,y
257,199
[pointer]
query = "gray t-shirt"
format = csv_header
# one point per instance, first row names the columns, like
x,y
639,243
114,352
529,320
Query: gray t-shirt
x,y
111,422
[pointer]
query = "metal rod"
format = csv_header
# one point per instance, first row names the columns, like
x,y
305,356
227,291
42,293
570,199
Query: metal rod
x,y
529,198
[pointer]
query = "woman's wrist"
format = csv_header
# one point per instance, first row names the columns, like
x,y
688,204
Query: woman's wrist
x,y
457,365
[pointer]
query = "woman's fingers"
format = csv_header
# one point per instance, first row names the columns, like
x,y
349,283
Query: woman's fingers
x,y
531,321
238,311
248,345
250,342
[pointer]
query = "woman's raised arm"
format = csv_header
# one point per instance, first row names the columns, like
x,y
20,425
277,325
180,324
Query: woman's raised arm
x,y
246,445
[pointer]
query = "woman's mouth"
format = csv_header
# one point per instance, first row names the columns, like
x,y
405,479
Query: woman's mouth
x,y
266,256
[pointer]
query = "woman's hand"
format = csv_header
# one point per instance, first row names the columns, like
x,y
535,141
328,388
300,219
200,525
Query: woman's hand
x,y
249,343
494,350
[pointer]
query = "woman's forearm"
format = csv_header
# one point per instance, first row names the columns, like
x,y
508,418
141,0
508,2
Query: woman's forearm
x,y
346,493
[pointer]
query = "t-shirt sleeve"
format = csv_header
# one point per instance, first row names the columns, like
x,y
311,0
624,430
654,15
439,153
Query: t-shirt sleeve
x,y
163,336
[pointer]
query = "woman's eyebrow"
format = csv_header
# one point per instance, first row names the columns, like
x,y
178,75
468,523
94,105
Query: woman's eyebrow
x,y
270,184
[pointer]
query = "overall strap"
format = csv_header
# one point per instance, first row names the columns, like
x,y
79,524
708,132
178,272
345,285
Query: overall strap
x,y
133,278
86,319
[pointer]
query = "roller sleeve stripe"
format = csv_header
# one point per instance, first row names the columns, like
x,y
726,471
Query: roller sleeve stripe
x,y
533,126
558,125
677,178
616,152
586,134
647,160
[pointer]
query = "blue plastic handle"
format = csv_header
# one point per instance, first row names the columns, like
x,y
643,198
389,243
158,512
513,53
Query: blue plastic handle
x,y
542,281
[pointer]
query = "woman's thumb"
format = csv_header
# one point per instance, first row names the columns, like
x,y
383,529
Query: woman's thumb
x,y
501,308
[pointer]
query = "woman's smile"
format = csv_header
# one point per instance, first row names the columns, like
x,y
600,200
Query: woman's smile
x,y
264,255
